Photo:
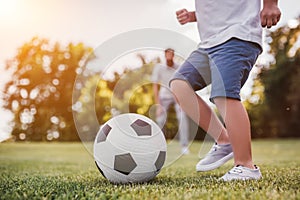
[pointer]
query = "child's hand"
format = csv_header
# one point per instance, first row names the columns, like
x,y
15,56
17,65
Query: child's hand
x,y
184,16
270,14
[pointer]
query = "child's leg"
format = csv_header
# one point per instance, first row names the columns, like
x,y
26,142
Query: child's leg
x,y
199,111
238,128
193,75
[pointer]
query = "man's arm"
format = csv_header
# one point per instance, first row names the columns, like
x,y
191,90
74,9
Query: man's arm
x,y
270,14
155,80
184,16
155,91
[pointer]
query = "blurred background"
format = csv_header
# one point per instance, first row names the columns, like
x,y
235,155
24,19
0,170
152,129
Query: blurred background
x,y
46,44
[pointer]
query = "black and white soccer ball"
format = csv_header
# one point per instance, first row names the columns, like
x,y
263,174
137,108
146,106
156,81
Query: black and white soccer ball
x,y
130,148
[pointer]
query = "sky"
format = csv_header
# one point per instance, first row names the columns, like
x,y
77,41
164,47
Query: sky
x,y
92,22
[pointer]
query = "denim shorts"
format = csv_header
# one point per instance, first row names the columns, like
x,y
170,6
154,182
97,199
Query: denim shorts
x,y
226,67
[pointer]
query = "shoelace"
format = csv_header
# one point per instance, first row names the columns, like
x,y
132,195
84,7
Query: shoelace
x,y
235,170
214,148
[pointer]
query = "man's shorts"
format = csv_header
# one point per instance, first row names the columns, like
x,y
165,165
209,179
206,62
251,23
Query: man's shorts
x,y
226,67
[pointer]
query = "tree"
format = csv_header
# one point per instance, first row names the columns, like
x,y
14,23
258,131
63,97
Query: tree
x,y
40,92
277,112
129,91
93,107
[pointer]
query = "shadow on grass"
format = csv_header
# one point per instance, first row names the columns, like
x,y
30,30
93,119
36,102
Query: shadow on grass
x,y
161,181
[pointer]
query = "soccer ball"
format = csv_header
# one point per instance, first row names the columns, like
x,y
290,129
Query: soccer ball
x,y
130,148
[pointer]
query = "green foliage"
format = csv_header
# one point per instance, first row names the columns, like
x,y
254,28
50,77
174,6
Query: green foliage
x,y
40,92
277,112
130,91
67,171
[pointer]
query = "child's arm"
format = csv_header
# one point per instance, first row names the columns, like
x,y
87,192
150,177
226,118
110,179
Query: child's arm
x,y
184,16
270,13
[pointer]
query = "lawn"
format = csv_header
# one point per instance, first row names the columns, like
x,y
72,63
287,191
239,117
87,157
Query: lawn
x,y
67,171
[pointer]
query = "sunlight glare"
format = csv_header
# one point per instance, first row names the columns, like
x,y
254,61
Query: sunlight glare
x,y
8,8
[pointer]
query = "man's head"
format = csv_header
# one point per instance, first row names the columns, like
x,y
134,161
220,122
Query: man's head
x,y
169,55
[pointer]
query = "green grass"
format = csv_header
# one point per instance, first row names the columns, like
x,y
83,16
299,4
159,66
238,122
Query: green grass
x,y
67,171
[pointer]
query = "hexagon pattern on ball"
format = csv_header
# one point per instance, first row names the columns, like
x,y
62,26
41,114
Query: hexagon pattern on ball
x,y
130,148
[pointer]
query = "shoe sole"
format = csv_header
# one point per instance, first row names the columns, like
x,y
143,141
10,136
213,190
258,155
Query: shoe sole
x,y
240,178
212,166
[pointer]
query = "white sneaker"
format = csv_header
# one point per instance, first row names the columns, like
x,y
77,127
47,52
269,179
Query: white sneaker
x,y
217,156
185,150
242,173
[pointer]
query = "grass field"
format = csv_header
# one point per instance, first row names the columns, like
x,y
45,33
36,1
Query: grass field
x,y
67,171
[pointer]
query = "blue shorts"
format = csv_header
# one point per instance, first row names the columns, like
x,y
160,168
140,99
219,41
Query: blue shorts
x,y
226,67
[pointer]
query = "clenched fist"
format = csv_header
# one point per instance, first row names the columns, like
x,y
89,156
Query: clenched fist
x,y
270,14
184,16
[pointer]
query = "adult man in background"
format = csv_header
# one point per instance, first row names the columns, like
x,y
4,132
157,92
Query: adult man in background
x,y
161,76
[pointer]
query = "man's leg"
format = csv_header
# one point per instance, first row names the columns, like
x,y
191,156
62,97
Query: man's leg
x,y
238,128
183,128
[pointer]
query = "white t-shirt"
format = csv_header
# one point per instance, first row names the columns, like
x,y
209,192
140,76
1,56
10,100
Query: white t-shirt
x,y
162,75
220,20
